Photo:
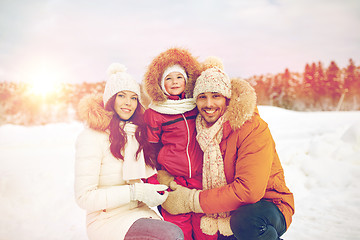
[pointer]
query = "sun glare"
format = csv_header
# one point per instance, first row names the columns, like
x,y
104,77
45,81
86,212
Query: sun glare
x,y
44,82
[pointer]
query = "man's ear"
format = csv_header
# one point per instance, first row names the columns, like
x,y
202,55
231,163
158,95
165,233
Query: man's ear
x,y
227,101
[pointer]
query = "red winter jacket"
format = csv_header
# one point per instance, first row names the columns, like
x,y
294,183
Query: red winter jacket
x,y
180,154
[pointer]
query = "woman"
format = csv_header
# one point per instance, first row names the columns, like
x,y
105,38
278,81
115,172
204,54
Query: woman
x,y
112,156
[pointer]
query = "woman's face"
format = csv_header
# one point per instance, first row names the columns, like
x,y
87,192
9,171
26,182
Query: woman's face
x,y
174,83
125,104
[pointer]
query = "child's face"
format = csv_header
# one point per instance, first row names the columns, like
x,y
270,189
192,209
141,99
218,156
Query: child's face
x,y
174,83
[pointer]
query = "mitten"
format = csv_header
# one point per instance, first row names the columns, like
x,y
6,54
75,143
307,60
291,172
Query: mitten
x,y
164,177
182,200
148,193
209,225
224,226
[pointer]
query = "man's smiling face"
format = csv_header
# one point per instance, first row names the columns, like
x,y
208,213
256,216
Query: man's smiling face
x,y
211,106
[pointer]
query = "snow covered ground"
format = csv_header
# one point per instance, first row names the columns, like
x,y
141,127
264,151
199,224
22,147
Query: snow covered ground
x,y
320,153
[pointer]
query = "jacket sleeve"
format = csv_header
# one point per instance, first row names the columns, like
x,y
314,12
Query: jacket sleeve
x,y
90,147
153,126
252,152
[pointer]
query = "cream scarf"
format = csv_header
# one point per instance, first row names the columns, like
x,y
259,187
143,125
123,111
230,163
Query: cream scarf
x,y
173,107
134,168
213,172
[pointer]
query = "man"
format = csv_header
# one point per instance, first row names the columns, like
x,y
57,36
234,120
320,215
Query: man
x,y
244,193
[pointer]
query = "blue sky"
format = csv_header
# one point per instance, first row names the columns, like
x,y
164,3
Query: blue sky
x,y
77,40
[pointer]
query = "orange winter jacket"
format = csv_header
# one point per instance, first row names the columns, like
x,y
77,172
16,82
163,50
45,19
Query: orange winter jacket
x,y
252,167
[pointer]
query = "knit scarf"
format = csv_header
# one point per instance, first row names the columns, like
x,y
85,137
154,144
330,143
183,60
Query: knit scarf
x,y
173,107
213,172
134,168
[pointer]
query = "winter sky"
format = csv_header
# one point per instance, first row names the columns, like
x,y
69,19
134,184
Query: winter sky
x,y
76,40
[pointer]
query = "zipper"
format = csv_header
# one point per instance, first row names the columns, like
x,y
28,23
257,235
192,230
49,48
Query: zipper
x,y
188,143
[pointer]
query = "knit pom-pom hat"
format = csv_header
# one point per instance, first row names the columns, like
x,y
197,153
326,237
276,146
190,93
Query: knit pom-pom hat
x,y
211,62
213,80
119,80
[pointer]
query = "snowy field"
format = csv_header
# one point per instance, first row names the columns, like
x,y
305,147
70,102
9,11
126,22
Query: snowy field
x,y
320,153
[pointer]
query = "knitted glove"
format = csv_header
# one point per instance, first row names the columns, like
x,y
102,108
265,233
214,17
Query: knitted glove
x,y
148,193
182,200
164,177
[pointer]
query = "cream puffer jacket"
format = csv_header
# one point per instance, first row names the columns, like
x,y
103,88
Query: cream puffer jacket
x,y
99,185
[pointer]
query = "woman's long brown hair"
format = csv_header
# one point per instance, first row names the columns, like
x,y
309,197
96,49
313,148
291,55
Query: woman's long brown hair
x,y
118,136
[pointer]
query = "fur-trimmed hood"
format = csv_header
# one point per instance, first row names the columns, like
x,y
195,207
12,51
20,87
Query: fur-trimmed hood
x,y
91,111
242,105
172,56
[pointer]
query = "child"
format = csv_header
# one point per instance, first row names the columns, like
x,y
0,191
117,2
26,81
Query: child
x,y
169,82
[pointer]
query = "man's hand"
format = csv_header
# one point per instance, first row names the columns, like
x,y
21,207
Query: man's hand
x,y
164,177
182,200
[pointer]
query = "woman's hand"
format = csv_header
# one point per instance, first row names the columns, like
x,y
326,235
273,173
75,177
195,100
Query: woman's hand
x,y
148,193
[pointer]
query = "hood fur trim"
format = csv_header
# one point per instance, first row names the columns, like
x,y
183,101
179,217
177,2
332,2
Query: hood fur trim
x,y
145,98
172,56
242,105
91,111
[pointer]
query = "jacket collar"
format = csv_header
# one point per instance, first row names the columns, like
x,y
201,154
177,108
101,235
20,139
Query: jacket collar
x,y
242,105
177,97
91,111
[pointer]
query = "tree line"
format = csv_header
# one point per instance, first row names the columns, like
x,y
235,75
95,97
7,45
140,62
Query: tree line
x,y
19,105
316,89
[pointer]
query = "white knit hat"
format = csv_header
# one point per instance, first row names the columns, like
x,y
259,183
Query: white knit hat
x,y
213,80
173,68
119,80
